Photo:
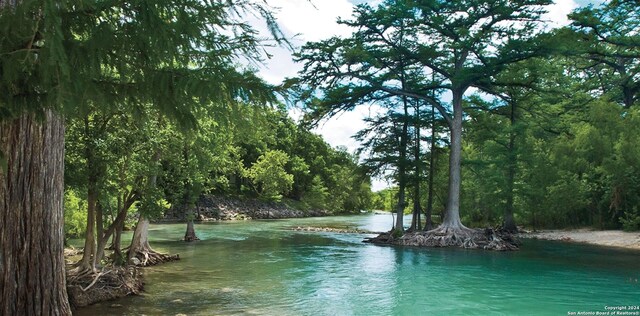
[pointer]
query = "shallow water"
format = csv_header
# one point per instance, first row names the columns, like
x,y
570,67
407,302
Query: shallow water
x,y
265,268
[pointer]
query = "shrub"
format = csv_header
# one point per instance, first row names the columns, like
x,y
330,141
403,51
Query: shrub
x,y
75,217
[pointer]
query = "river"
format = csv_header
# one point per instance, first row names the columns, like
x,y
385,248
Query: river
x,y
265,268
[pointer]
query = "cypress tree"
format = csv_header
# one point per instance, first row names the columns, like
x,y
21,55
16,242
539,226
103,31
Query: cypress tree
x,y
59,57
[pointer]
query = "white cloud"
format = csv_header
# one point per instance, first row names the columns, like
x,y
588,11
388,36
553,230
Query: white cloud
x,y
313,20
316,21
557,12
338,130
302,21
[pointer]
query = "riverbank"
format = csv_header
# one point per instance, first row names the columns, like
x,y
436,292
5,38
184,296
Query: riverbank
x,y
609,238
221,208
269,268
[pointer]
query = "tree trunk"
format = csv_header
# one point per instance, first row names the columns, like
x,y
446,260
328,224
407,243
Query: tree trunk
x,y
190,234
116,227
140,248
99,229
32,267
417,209
89,253
452,215
118,257
428,225
140,252
509,222
140,240
402,170
401,204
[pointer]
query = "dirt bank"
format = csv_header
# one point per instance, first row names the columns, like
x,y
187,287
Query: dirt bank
x,y
610,238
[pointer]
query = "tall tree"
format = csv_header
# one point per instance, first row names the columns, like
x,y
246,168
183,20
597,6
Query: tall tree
x,y
463,44
118,53
32,267
417,209
32,275
386,142
428,225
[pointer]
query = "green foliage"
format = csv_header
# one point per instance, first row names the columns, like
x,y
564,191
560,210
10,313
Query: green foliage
x,y
269,176
384,200
607,41
75,215
318,194
631,220
160,112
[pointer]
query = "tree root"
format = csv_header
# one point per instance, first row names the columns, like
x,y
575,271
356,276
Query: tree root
x,y
488,239
190,238
332,230
146,258
86,287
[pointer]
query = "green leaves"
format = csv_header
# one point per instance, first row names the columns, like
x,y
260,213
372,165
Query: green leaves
x,y
606,38
269,175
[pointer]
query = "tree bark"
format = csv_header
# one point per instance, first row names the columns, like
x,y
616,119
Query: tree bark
x,y
99,229
452,215
140,247
116,227
402,170
428,225
32,267
118,257
509,222
417,208
88,255
190,234
141,250
140,240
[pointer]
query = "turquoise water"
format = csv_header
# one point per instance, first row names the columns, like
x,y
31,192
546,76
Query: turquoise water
x,y
265,268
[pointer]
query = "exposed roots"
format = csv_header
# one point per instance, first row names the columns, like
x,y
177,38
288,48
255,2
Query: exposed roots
x,y
332,230
86,287
146,258
191,238
463,237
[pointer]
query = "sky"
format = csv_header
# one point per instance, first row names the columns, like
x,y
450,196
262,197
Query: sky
x,y
314,20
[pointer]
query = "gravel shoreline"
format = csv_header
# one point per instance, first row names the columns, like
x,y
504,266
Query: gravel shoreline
x,y
609,238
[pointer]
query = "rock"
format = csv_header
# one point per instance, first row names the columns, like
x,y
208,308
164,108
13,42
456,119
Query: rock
x,y
135,261
212,208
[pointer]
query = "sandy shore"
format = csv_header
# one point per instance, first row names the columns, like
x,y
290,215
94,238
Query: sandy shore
x,y
610,238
